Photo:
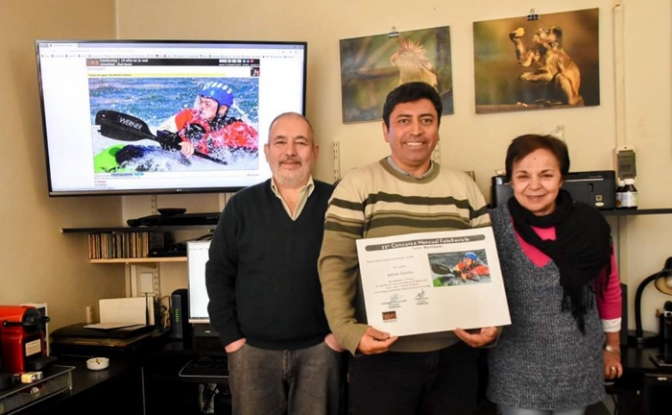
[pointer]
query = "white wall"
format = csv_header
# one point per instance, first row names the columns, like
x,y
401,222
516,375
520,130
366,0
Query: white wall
x,y
590,132
39,263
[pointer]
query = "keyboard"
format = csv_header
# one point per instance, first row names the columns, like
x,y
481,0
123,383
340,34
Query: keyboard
x,y
206,367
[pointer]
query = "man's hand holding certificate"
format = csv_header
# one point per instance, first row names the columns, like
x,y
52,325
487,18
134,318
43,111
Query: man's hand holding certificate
x,y
431,282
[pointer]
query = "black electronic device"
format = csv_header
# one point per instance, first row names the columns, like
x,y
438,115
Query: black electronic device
x,y
177,249
80,330
639,337
171,211
206,341
184,219
596,188
665,319
656,391
115,101
101,346
179,321
206,367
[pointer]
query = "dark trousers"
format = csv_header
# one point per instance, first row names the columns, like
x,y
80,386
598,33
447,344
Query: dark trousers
x,y
280,382
443,382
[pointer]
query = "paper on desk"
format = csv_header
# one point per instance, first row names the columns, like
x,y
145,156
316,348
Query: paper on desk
x,y
127,311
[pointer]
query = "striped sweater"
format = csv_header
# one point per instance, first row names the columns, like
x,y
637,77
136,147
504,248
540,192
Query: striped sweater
x,y
375,201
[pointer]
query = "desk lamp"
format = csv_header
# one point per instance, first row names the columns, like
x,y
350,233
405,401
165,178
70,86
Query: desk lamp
x,y
663,282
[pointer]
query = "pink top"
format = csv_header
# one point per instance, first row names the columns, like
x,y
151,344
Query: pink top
x,y
608,305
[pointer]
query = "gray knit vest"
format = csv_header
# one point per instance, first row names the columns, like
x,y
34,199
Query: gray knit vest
x,y
541,361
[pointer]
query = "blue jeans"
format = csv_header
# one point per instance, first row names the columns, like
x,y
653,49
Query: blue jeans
x,y
444,382
293,382
508,410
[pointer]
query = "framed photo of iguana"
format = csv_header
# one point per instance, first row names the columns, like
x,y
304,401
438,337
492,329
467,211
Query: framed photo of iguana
x,y
372,66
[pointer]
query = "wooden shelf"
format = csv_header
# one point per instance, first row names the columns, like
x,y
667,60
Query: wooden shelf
x,y
155,260
632,212
150,260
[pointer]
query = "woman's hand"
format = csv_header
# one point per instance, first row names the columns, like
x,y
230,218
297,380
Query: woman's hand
x,y
612,356
612,363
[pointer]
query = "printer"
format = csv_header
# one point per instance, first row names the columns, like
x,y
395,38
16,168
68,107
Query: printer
x,y
596,188
80,339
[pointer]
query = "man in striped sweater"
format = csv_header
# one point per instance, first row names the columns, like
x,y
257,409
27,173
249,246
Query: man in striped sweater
x,y
403,193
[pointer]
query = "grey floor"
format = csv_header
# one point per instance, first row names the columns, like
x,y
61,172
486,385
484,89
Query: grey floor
x,y
598,409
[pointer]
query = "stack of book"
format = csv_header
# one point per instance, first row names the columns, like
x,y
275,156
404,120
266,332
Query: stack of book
x,y
107,245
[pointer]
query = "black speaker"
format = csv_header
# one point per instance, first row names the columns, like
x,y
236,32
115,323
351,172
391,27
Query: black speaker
x,y
206,341
656,391
179,315
624,315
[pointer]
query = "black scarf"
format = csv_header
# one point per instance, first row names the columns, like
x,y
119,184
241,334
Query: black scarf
x,y
581,250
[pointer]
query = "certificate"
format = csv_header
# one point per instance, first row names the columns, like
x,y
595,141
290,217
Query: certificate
x,y
431,282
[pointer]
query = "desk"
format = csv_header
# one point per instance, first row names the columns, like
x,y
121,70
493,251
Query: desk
x,y
117,389
645,388
167,392
145,383
149,384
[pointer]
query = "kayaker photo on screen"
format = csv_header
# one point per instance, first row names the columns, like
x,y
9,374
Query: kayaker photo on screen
x,y
173,124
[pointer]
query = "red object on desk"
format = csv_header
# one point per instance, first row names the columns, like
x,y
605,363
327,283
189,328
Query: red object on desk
x,y
21,338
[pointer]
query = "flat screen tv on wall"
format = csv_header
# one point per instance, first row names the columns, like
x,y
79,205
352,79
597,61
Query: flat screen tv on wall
x,y
147,117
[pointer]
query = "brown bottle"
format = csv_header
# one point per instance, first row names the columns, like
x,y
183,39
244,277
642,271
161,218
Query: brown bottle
x,y
629,194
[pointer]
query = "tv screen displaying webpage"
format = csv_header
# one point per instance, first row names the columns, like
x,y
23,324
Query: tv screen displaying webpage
x,y
147,117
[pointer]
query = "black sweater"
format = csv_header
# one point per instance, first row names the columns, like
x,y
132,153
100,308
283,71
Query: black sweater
x,y
262,272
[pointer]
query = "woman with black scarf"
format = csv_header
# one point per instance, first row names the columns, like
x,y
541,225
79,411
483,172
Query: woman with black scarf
x,y
562,287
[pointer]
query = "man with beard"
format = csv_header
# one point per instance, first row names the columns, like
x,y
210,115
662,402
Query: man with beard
x,y
265,295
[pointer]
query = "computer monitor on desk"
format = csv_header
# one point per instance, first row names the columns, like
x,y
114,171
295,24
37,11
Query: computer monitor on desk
x,y
205,339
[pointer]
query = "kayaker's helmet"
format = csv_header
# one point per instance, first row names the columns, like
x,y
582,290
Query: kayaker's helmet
x,y
218,91
471,256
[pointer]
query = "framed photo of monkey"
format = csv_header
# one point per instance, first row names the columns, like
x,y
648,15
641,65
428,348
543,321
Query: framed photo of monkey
x,y
550,61
372,66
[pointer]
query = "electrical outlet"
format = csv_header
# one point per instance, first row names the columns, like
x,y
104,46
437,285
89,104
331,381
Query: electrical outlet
x,y
146,283
625,158
149,284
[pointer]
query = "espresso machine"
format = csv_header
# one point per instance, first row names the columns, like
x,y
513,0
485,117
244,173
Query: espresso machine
x,y
22,340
